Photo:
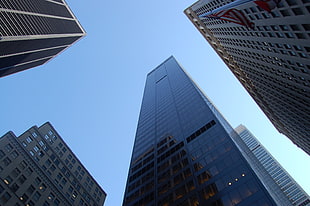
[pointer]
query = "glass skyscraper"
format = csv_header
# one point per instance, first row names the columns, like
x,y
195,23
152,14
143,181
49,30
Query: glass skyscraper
x,y
283,181
32,32
184,151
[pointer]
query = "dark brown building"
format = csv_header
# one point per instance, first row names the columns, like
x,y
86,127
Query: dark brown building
x,y
38,168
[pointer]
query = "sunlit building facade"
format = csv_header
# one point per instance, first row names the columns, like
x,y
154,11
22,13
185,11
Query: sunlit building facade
x,y
184,152
39,169
266,46
33,32
290,189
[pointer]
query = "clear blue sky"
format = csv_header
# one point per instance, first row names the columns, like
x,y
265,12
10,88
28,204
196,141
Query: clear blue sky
x,y
92,92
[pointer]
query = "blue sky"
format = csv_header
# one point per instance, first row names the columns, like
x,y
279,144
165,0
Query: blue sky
x,y
92,92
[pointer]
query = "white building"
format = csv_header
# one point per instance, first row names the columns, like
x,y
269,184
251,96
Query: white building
x,y
293,192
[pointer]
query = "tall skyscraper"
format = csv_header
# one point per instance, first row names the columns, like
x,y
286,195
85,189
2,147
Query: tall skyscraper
x,y
292,191
184,151
266,45
33,32
38,168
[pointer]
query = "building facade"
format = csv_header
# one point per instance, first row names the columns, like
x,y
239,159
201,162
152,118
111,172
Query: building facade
x,y
184,152
33,32
266,46
292,191
38,168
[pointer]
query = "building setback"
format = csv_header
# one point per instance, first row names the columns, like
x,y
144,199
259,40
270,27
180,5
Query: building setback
x,y
266,46
184,152
33,32
38,168
292,191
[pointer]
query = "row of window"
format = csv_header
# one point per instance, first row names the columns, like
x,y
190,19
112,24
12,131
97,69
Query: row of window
x,y
50,168
41,7
16,24
70,161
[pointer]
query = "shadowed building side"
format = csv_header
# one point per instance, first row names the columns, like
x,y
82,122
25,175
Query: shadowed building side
x,y
33,32
38,168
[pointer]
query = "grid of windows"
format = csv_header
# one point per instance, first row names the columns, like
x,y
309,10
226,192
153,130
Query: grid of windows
x,y
285,182
34,165
187,157
271,59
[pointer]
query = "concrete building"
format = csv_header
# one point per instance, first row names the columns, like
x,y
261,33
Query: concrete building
x,y
287,185
38,168
266,46
184,151
33,32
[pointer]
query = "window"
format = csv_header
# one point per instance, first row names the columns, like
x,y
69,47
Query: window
x,y
57,162
30,203
36,196
297,11
41,154
44,168
37,181
29,139
2,154
34,134
46,204
8,180
8,147
56,202
15,172
59,176
300,36
294,27
41,143
22,165
14,154
74,195
28,171
6,161
24,198
64,181
1,189
30,190
50,132
42,187
5,197
36,149
53,168
291,2
14,187
285,13
24,144
21,179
